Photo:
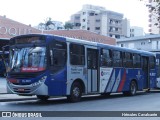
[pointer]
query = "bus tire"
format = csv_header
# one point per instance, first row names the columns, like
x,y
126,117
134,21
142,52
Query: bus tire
x,y
4,74
75,93
43,97
132,89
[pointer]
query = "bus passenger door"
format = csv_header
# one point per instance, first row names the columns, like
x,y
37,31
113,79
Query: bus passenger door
x,y
92,69
145,68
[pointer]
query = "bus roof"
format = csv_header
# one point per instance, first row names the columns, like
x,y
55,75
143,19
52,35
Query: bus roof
x,y
123,49
107,46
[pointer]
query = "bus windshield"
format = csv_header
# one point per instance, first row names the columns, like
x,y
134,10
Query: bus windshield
x,y
28,59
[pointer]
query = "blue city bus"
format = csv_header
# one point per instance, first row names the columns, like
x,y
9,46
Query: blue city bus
x,y
50,65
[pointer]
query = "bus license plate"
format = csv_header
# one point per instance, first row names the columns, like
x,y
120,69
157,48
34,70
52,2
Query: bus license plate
x,y
21,89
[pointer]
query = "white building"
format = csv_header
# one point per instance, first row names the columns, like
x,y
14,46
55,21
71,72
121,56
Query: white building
x,y
136,31
147,43
99,20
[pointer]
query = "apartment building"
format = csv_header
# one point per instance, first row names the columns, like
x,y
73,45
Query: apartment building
x,y
99,20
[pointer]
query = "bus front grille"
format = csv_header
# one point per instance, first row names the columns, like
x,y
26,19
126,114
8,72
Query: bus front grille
x,y
24,75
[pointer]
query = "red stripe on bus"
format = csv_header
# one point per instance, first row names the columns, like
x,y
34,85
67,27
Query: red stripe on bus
x,y
122,82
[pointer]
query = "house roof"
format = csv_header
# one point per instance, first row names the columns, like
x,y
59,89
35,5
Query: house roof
x,y
84,35
10,28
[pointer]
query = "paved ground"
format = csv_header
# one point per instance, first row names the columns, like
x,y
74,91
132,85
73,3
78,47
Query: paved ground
x,y
10,97
2,85
117,102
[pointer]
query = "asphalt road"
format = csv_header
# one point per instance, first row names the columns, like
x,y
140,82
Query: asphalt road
x,y
2,85
116,102
140,102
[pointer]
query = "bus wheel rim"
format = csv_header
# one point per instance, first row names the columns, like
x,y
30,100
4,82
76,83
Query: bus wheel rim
x,y
76,91
133,88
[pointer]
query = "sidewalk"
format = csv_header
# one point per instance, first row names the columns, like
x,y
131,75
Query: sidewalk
x,y
4,97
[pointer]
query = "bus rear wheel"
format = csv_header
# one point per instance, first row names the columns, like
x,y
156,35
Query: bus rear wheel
x,y
132,90
43,97
76,92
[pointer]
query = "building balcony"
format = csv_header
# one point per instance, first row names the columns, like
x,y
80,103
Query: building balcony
x,y
115,32
115,25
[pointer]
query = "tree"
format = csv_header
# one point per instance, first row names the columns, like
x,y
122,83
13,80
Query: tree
x,y
68,25
47,24
154,10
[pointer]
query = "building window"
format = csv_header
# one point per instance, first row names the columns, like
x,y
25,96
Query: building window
x,y
77,24
91,14
121,45
116,29
116,21
110,35
84,13
117,36
98,20
111,21
97,28
110,29
77,17
142,43
88,28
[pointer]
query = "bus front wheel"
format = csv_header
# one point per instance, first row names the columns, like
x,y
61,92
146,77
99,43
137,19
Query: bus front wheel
x,y
76,92
43,97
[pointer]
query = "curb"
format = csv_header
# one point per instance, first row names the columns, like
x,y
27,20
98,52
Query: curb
x,y
16,99
7,98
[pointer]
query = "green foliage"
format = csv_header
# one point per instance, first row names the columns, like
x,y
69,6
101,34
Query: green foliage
x,y
68,25
154,10
47,23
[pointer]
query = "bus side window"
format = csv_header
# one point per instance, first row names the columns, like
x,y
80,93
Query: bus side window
x,y
77,54
58,55
136,61
106,58
152,62
117,59
128,60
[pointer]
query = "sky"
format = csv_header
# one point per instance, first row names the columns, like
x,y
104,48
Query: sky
x,y
35,11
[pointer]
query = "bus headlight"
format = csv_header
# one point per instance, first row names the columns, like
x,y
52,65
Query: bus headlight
x,y
43,78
